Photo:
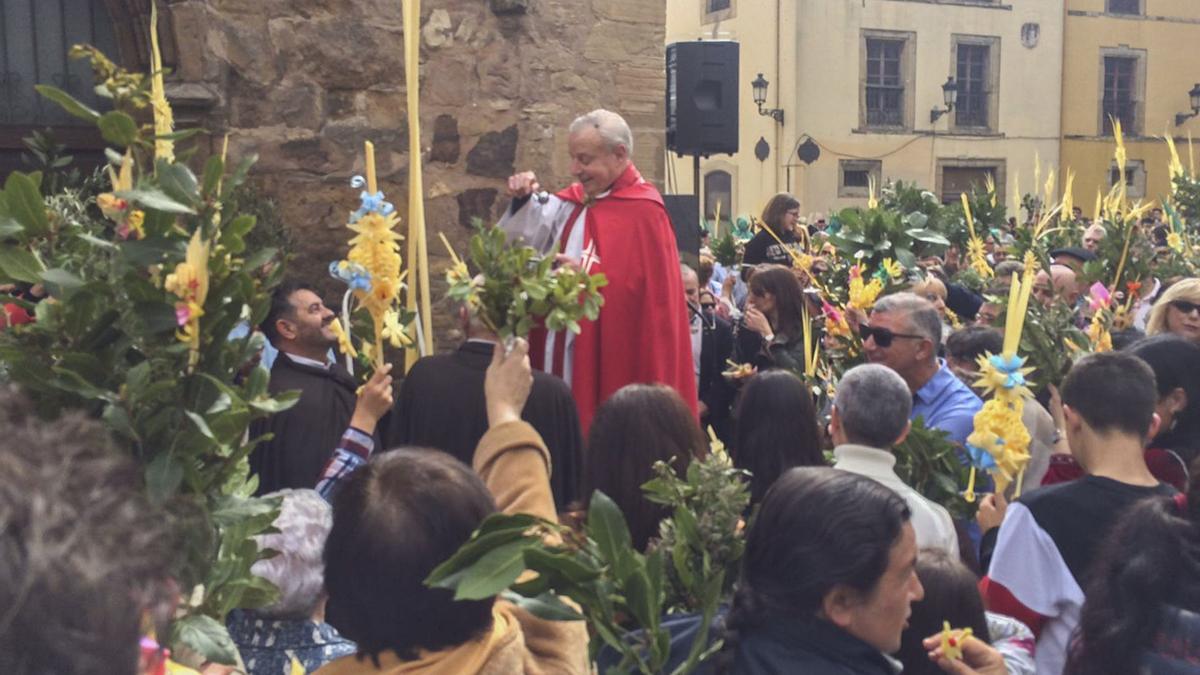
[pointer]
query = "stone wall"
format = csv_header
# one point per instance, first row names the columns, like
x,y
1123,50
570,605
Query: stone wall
x,y
304,82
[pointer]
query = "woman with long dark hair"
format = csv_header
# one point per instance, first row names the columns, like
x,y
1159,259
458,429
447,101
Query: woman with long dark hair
x,y
776,430
827,578
772,331
637,426
1142,614
1176,365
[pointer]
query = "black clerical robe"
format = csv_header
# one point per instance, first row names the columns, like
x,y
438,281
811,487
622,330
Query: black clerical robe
x,y
441,405
306,434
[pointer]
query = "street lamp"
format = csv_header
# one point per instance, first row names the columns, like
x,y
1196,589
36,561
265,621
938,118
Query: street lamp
x,y
1194,96
949,96
759,85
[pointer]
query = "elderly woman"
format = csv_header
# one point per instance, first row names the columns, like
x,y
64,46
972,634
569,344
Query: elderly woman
x,y
294,626
1177,311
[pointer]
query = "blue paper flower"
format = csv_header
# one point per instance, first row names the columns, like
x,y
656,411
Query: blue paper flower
x,y
1011,369
356,276
982,458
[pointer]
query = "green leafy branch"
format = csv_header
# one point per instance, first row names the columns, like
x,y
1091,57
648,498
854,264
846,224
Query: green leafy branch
x,y
510,287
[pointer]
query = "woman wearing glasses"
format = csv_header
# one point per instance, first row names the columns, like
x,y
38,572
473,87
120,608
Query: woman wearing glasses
x,y
772,329
1177,311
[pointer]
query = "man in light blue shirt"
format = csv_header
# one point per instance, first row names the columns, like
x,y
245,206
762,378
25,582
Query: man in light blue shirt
x,y
903,333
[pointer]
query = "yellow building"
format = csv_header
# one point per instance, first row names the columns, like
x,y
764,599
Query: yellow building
x,y
1137,61
860,79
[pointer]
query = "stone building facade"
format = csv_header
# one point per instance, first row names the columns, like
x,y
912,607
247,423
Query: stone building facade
x,y
303,83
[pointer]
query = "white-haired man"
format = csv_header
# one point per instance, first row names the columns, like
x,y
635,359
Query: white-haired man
x,y
869,416
610,221
292,627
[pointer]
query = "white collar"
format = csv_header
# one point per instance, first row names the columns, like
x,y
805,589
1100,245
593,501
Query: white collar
x,y
865,460
305,361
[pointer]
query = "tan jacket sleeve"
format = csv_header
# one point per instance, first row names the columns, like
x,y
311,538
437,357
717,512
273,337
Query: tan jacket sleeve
x,y
515,465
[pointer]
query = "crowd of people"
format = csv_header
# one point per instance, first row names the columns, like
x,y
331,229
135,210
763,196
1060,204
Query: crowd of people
x,y
1094,569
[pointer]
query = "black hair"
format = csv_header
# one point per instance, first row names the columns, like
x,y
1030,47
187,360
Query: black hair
x,y
637,426
394,520
1149,564
281,307
776,429
951,594
970,343
1176,365
781,282
818,528
83,551
1112,391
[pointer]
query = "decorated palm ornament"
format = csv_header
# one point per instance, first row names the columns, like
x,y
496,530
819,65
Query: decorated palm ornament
x,y
372,271
1000,442
952,641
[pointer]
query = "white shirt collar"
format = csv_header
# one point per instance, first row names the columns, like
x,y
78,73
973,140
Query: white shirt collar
x,y
305,361
865,460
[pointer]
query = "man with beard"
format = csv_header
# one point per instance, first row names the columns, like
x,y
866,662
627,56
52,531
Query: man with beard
x,y
298,325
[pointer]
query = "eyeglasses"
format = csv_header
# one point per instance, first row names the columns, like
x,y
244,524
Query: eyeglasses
x,y
883,337
1185,307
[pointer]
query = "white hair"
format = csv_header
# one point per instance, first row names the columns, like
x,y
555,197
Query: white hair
x,y
298,570
613,128
873,404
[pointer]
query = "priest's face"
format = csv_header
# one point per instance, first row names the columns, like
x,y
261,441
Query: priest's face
x,y
310,322
593,163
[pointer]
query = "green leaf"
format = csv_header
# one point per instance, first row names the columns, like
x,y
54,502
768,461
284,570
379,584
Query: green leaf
x,y
494,572
207,637
68,102
24,203
565,564
20,264
606,526
9,228
928,236
118,128
163,476
96,241
214,168
260,258
201,425
181,135
281,401
544,606
60,282
177,182
153,198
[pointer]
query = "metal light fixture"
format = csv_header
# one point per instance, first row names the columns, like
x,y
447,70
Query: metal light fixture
x,y
759,85
1194,96
949,96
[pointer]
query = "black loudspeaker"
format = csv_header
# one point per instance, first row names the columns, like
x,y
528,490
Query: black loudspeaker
x,y
702,97
684,211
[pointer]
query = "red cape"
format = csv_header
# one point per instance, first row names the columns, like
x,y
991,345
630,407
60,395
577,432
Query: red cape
x,y
642,334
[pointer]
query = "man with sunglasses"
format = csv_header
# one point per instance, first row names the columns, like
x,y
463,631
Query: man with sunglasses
x,y
904,333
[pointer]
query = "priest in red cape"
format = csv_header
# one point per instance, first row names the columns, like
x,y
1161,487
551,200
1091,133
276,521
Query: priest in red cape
x,y
613,222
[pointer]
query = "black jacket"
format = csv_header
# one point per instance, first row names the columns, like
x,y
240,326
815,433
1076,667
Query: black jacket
x,y
716,393
441,405
778,645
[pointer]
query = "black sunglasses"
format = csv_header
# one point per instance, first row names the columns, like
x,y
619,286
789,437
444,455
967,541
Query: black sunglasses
x,y
883,337
1185,306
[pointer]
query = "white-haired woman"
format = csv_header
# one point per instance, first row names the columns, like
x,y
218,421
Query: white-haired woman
x,y
1177,311
294,626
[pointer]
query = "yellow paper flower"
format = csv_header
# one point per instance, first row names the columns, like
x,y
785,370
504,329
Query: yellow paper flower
x,y
394,332
1175,242
893,269
345,346
863,294
952,641
189,282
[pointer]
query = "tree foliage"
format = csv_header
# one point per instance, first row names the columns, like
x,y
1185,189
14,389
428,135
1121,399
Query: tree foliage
x,y
109,339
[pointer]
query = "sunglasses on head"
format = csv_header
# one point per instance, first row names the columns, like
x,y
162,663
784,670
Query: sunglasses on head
x,y
1185,306
883,337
